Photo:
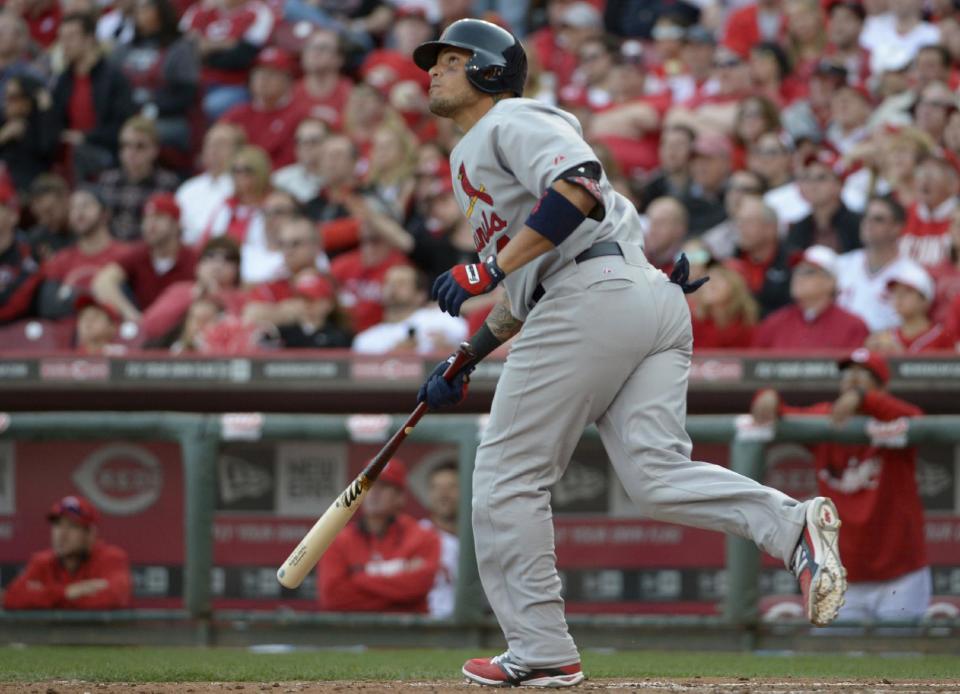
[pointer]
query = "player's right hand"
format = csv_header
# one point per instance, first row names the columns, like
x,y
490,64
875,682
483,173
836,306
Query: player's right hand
x,y
765,407
438,393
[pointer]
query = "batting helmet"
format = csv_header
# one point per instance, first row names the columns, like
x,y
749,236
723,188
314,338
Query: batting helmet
x,y
498,63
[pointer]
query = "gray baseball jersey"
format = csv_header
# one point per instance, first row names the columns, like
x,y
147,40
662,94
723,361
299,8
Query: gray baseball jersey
x,y
505,163
609,342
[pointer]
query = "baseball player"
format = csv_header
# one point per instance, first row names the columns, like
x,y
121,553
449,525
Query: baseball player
x,y
606,339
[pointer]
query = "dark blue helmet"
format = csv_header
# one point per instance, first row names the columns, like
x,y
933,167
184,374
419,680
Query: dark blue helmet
x,y
498,63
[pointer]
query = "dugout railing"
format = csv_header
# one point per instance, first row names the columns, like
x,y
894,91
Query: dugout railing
x,y
201,436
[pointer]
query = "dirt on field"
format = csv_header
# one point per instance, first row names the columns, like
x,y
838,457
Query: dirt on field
x,y
743,685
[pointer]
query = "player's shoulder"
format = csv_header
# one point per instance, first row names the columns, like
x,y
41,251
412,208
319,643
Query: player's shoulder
x,y
517,112
105,550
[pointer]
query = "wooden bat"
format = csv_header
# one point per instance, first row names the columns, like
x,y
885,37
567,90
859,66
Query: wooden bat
x,y
334,519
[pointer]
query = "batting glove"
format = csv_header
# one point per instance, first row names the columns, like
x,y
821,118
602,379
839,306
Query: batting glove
x,y
461,282
438,392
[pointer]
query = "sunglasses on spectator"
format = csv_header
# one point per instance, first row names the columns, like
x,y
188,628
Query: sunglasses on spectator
x,y
134,144
589,57
312,140
241,169
878,218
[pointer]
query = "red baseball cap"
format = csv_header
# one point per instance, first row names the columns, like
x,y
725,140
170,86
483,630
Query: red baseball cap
x,y
87,300
871,361
76,508
313,287
277,59
162,203
395,473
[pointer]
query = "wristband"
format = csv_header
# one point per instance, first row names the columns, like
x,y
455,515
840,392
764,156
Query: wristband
x,y
554,217
483,342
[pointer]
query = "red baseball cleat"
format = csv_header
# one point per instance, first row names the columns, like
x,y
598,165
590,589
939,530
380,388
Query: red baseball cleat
x,y
503,671
816,563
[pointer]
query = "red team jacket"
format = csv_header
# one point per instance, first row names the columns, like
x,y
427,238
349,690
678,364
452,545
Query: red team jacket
x,y
875,490
393,573
42,583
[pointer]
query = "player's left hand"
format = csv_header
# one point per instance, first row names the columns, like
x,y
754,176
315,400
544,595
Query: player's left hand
x,y
438,392
846,406
461,282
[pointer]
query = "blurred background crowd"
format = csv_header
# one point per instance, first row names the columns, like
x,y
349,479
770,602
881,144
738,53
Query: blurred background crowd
x,y
229,176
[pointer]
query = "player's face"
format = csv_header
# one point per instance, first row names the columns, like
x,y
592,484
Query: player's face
x,y
159,229
444,494
383,501
450,91
86,213
856,377
908,302
68,538
94,328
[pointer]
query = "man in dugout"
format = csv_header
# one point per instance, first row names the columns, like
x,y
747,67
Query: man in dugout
x,y
79,571
385,561
875,491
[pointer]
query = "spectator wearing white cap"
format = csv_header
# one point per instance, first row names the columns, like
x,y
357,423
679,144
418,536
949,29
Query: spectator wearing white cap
x,y
813,321
912,292
862,275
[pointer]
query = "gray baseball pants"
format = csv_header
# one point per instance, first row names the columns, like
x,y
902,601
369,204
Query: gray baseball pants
x,y
609,343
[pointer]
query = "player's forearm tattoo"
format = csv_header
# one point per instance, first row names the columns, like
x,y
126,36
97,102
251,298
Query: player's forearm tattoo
x,y
502,322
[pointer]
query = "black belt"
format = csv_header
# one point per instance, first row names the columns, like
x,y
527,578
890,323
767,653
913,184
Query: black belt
x,y
597,250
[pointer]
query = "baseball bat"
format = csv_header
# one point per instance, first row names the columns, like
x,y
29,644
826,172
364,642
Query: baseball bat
x,y
335,518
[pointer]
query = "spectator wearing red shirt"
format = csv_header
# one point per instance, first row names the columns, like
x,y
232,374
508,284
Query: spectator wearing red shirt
x,y
277,302
875,491
69,273
759,256
946,275
91,99
630,124
753,23
218,279
926,236
228,35
78,572
551,45
723,313
18,270
323,88
150,266
359,275
384,562
272,114
813,321
912,292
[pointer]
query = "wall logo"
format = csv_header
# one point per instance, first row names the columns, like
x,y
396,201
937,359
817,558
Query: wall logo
x,y
120,479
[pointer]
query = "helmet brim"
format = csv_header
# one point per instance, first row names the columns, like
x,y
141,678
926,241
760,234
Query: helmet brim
x,y
425,55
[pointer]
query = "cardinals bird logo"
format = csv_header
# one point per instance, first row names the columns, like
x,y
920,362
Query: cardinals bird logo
x,y
473,193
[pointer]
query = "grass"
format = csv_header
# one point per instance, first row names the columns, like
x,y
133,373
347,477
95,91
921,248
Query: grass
x,y
137,664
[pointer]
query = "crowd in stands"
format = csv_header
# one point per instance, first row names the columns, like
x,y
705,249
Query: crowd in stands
x,y
229,176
